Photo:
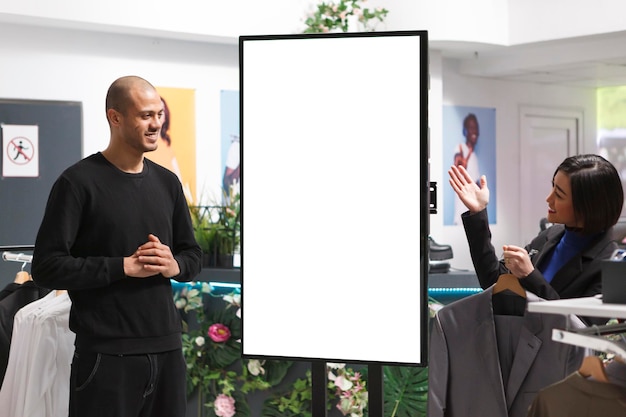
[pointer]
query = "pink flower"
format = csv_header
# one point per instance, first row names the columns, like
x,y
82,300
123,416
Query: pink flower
x,y
219,333
224,406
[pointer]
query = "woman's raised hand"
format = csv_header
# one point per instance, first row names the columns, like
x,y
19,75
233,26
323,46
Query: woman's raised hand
x,y
474,197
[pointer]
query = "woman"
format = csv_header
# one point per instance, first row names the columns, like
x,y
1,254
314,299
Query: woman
x,y
565,262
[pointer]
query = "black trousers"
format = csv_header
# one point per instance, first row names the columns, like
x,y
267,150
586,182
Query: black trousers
x,y
148,385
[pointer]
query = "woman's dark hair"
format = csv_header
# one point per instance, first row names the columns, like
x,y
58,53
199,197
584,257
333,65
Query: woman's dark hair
x,y
597,193
165,127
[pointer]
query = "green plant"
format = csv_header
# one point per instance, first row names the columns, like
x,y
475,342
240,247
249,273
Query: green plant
x,y
349,387
406,391
217,227
337,15
295,402
215,369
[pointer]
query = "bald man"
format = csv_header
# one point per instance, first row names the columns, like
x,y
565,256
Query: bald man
x,y
116,229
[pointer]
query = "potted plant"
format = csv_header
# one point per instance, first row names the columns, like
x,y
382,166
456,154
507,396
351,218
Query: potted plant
x,y
217,230
344,16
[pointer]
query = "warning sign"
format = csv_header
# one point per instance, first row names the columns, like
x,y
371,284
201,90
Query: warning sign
x,y
20,151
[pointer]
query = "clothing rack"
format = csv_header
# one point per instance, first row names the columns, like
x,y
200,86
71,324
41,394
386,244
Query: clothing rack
x,y
9,254
596,343
593,337
17,257
17,248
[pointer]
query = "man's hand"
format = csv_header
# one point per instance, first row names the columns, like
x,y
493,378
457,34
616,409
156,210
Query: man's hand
x,y
150,259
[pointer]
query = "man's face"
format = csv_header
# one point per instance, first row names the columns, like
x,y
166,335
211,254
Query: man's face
x,y
141,122
471,134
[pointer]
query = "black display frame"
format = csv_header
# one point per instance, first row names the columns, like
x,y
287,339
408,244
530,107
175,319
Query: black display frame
x,y
422,191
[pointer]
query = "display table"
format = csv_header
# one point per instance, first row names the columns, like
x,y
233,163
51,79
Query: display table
x,y
444,287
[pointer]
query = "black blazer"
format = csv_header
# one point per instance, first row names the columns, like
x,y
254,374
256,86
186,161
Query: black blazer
x,y
580,277
12,298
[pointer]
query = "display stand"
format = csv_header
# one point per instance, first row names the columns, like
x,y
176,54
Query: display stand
x,y
590,337
318,389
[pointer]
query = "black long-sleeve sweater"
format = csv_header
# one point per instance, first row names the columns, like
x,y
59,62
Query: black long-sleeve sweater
x,y
95,216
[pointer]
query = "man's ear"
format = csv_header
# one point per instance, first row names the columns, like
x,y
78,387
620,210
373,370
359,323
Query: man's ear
x,y
114,117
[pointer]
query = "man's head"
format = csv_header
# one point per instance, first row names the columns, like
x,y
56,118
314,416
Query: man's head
x,y
135,113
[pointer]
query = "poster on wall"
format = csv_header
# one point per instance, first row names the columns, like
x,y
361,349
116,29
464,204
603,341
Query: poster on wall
x,y
335,196
20,150
177,144
230,145
469,139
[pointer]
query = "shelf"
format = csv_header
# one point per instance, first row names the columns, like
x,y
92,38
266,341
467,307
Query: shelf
x,y
232,275
596,343
454,279
585,306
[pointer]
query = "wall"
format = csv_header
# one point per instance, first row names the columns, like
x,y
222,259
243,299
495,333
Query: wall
x,y
59,64
78,65
506,98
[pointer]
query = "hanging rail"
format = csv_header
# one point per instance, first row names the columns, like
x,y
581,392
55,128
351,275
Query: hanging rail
x,y
9,255
13,248
17,257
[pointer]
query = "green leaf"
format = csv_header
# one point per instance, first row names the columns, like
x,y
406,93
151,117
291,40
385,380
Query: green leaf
x,y
406,391
275,371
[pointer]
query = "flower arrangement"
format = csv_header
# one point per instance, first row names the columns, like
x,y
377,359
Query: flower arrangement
x,y
349,388
212,349
339,15
215,370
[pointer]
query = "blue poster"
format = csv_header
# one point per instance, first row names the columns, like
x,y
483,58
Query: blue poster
x,y
469,139
230,143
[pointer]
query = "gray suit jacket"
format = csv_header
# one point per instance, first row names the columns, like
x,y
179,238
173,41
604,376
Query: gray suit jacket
x,y
464,375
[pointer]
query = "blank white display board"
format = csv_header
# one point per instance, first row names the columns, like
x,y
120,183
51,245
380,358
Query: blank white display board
x,y
334,194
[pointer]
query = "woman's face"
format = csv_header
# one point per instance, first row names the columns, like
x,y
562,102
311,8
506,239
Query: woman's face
x,y
560,206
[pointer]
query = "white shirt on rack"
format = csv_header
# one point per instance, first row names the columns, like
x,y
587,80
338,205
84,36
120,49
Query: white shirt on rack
x,y
36,383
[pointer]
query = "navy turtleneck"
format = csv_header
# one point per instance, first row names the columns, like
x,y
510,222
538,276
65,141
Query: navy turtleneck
x,y
570,244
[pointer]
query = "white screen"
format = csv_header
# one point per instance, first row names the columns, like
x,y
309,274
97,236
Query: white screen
x,y
333,202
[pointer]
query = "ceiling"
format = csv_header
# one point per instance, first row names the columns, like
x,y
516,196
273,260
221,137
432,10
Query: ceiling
x,y
590,61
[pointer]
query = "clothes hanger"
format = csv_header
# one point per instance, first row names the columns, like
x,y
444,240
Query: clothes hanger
x,y
592,366
509,282
22,277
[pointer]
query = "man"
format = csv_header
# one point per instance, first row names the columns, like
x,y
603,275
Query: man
x,y
115,230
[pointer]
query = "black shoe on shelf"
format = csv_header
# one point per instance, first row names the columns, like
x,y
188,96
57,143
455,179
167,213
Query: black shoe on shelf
x,y
437,251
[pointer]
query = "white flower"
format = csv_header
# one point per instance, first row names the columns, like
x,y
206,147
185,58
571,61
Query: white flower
x,y
256,367
336,365
199,341
206,288
343,383
180,303
234,299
